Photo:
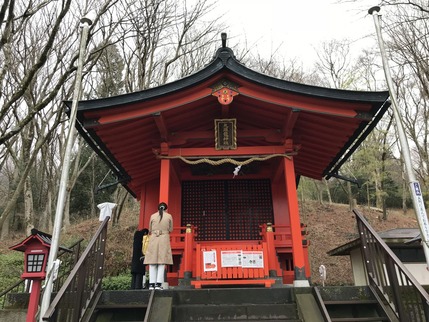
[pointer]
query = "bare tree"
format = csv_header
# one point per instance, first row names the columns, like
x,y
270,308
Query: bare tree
x,y
161,39
165,40
37,59
408,27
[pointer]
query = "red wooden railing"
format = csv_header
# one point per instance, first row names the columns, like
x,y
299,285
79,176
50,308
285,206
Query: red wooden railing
x,y
215,273
276,243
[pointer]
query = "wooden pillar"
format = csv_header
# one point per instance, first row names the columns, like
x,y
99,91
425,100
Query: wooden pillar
x,y
33,303
295,224
164,181
271,250
189,242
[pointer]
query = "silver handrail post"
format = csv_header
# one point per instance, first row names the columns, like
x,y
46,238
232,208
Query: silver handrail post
x,y
85,23
415,189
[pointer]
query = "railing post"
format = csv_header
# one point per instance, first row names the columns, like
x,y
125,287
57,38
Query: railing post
x,y
80,289
99,270
394,284
189,239
425,304
271,250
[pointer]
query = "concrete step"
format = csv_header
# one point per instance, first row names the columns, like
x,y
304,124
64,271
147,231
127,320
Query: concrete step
x,y
232,296
365,319
352,304
269,312
245,304
119,315
257,320
234,304
161,309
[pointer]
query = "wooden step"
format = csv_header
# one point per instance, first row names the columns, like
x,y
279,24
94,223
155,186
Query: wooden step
x,y
364,319
350,302
121,306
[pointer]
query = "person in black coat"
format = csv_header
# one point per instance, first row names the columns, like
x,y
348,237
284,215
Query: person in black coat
x,y
138,270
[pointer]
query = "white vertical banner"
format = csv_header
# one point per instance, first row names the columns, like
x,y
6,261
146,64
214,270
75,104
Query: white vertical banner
x,y
209,261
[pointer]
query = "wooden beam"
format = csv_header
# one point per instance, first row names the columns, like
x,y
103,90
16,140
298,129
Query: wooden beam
x,y
160,124
270,135
310,104
240,151
225,111
142,109
289,125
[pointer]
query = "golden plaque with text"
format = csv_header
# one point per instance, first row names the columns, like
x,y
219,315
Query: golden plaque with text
x,y
225,134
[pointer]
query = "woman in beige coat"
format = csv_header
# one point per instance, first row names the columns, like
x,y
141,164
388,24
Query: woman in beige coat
x,y
158,253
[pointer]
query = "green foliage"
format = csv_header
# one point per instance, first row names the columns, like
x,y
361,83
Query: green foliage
x,y
110,67
115,283
11,268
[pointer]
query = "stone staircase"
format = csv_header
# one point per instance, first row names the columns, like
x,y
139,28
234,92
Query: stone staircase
x,y
235,304
349,304
289,304
214,304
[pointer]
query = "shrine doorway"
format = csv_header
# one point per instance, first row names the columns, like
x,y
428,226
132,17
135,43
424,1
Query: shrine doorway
x,y
227,209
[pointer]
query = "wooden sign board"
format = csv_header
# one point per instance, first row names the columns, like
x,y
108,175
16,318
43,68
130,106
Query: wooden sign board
x,y
225,134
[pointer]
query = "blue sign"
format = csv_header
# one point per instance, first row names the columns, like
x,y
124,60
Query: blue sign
x,y
417,188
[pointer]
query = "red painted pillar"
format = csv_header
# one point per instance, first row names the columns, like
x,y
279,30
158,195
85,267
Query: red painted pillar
x,y
164,184
33,303
189,239
295,225
271,250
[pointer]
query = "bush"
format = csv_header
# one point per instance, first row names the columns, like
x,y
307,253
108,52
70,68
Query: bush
x,y
11,268
115,283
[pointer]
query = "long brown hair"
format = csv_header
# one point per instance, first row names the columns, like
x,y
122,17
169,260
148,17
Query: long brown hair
x,y
161,207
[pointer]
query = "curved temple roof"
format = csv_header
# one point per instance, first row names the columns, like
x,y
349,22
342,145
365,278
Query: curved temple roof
x,y
324,125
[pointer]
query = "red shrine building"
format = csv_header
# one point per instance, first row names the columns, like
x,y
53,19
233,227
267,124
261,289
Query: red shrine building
x,y
225,148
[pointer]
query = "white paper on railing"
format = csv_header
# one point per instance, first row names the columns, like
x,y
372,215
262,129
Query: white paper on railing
x,y
106,209
209,261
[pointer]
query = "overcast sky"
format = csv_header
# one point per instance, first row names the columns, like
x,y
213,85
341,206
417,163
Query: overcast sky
x,y
297,26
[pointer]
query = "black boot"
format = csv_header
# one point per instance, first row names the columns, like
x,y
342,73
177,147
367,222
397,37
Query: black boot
x,y
151,286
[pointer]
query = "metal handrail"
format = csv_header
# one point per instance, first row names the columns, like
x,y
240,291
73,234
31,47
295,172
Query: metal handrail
x,y
83,284
386,273
65,269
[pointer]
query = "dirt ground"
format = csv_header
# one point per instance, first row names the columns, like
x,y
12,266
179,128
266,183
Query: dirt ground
x,y
329,226
332,226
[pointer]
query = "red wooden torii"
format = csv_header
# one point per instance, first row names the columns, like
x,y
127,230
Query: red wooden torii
x,y
225,148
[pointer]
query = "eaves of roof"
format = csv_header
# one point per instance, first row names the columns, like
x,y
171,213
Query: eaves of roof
x,y
225,60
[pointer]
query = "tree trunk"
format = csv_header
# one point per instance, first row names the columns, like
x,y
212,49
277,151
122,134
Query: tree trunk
x,y
46,217
349,192
319,192
368,196
5,228
121,196
328,192
28,206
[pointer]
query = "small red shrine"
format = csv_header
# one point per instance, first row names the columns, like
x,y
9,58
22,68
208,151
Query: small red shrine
x,y
225,149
